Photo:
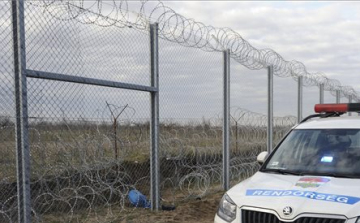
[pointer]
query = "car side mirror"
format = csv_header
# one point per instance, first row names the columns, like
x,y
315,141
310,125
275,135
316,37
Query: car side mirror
x,y
262,157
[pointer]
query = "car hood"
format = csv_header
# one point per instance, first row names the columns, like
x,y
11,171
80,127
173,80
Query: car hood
x,y
304,194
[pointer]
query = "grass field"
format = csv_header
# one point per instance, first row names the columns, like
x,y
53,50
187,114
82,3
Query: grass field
x,y
82,172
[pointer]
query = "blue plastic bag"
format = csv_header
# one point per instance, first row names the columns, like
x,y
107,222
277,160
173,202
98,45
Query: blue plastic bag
x,y
138,199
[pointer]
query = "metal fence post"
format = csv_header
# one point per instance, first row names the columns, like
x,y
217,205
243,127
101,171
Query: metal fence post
x,y
269,144
300,98
337,96
226,122
321,88
154,125
22,141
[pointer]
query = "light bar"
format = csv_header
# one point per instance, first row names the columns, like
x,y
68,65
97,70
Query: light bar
x,y
351,107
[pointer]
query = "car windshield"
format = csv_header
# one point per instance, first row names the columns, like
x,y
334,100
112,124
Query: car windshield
x,y
325,152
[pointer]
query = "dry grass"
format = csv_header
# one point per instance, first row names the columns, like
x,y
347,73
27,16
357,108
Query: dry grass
x,y
190,211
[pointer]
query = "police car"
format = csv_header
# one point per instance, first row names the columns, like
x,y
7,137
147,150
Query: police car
x,y
312,176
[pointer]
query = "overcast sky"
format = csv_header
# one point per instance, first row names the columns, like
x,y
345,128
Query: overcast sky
x,y
324,36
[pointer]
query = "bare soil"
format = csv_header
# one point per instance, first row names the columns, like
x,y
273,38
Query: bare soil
x,y
191,211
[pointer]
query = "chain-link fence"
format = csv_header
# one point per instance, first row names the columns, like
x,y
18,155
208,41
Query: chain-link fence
x,y
8,204
191,130
97,125
91,143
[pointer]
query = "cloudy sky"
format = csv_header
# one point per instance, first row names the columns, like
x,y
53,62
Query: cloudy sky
x,y
324,36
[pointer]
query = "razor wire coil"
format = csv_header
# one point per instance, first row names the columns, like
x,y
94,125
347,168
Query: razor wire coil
x,y
187,32
78,173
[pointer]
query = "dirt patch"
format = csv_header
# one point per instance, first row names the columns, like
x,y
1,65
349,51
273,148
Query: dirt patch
x,y
192,211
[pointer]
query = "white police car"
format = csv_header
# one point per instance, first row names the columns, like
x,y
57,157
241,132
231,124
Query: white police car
x,y
312,176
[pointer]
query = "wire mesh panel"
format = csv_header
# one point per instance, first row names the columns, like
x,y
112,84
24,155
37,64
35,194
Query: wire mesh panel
x,y
90,137
310,98
8,181
191,97
89,144
7,63
329,97
285,117
249,127
87,50
286,92
84,163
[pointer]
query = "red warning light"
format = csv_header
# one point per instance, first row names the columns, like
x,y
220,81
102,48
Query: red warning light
x,y
351,107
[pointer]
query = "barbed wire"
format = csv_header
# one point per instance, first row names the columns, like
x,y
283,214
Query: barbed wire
x,y
76,175
187,32
76,170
